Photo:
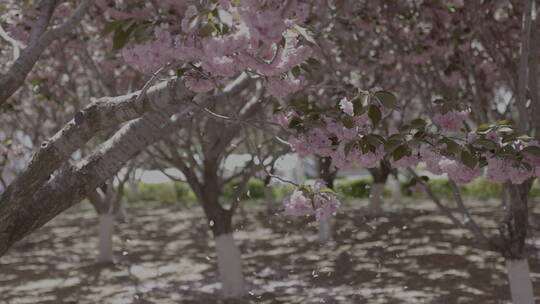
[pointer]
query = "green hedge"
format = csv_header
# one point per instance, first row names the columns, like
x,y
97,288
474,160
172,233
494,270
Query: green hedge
x,y
165,193
255,190
480,188
354,189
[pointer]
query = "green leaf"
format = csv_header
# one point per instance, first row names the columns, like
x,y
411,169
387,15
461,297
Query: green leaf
x,y
206,30
451,146
327,190
418,123
419,134
282,42
373,140
358,108
110,27
508,138
126,24
296,123
527,166
485,143
399,152
295,71
483,128
405,128
468,159
348,121
349,146
534,150
391,145
374,114
414,143
180,72
299,105
526,138
313,62
308,35
506,129
387,99
276,106
121,37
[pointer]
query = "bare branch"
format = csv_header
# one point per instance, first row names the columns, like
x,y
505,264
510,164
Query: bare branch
x,y
470,223
436,200
15,76
46,8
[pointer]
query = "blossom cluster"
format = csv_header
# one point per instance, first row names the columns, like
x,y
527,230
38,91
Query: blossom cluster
x,y
335,140
261,40
450,121
320,200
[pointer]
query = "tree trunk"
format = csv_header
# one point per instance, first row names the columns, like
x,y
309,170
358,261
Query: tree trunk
x,y
520,281
396,190
380,176
106,225
229,258
269,199
133,195
328,174
230,267
325,230
375,198
513,233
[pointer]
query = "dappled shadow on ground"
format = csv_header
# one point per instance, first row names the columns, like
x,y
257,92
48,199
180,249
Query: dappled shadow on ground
x,y
165,254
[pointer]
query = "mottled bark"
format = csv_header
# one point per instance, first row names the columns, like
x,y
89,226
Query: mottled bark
x,y
99,115
513,229
327,172
380,175
74,183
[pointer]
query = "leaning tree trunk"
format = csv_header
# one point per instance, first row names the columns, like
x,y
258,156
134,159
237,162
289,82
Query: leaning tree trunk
x,y
229,258
380,175
514,233
328,174
396,189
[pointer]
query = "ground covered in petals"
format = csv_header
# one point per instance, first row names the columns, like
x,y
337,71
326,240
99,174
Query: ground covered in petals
x,y
165,254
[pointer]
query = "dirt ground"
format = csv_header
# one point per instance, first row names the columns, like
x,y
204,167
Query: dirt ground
x,y
165,254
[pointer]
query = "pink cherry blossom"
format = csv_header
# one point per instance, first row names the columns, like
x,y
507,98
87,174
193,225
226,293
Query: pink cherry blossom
x,y
431,158
281,88
198,85
405,161
450,121
346,106
297,204
459,172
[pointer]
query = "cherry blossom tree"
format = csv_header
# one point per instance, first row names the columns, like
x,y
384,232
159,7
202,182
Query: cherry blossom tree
x,y
199,151
348,59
